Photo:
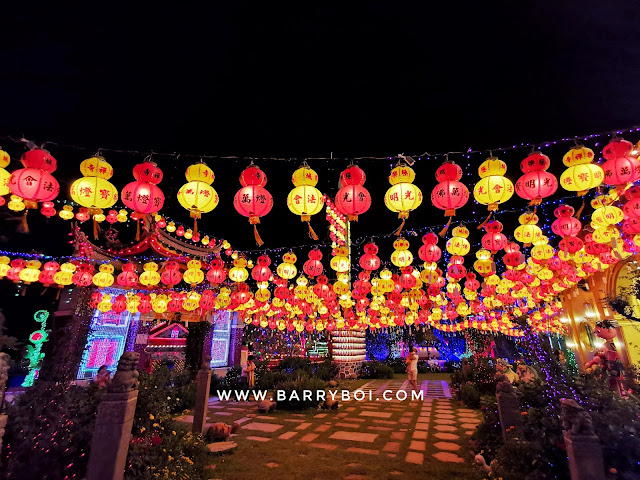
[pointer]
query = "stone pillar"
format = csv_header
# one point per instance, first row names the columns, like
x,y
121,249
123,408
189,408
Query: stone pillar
x,y
203,383
585,456
112,432
348,348
509,412
583,445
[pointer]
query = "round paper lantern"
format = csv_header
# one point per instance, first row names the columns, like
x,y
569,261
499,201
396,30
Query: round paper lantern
x,y
198,196
171,275
216,274
430,252
617,148
261,272
313,267
401,256
143,196
4,175
370,261
493,188
193,275
566,225
305,199
458,243
450,194
352,199
528,232
287,270
104,278
403,197
581,175
621,170
150,276
536,183
253,200
494,240
33,186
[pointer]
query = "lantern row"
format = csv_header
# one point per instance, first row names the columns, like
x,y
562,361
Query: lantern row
x,y
34,183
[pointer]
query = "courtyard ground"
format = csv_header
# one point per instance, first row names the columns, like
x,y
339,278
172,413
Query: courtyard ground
x,y
362,440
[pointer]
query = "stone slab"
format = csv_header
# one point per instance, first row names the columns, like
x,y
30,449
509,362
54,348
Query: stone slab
x,y
309,437
322,428
420,434
447,446
414,457
444,421
380,429
354,436
398,435
347,425
287,435
376,414
446,436
258,439
303,426
263,427
448,457
469,425
422,426
366,451
324,446
418,445
320,415
221,447
445,428
392,447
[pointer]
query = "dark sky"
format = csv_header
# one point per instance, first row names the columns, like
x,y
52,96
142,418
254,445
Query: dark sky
x,y
269,79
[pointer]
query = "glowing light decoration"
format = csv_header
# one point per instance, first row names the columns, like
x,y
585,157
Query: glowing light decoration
x,y
5,159
566,225
536,183
305,199
403,197
401,256
253,200
34,183
143,196
493,188
582,175
528,232
34,352
353,199
198,196
450,194
458,244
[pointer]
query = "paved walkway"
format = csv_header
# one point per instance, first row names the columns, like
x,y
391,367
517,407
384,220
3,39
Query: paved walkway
x,y
415,432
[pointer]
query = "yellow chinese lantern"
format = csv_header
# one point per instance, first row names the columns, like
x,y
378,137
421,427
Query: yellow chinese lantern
x,y
401,256
484,264
528,232
16,204
606,215
66,213
159,303
493,188
340,259
5,265
198,196
238,273
104,278
64,276
122,216
305,199
4,175
287,269
150,277
171,227
581,175
94,191
191,302
30,272
188,234
105,303
403,197
193,275
458,243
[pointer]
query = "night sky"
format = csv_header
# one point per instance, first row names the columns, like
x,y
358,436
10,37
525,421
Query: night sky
x,y
257,79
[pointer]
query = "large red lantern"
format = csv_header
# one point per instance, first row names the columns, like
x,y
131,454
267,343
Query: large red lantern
x,y
253,200
450,194
171,275
352,199
143,196
494,240
261,272
216,274
430,252
369,261
617,148
621,170
536,183
313,266
34,183
566,225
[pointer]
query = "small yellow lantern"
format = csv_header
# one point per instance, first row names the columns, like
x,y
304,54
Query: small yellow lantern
x,y
401,257
403,197
104,278
493,188
305,199
150,277
193,275
198,196
528,232
581,175
458,243
287,269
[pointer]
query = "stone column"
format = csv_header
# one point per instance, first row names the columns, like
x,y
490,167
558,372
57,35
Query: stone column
x,y
348,349
508,407
203,383
586,461
112,432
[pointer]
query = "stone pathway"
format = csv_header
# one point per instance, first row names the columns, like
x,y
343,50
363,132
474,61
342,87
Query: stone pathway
x,y
415,432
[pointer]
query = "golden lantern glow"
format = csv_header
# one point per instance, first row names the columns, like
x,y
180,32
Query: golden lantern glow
x,y
493,188
606,215
197,195
4,266
287,269
581,175
401,256
30,272
64,276
96,167
150,276
66,213
193,275
458,243
16,204
528,232
238,273
305,199
188,234
105,303
93,190
4,176
104,277
340,260
122,216
403,197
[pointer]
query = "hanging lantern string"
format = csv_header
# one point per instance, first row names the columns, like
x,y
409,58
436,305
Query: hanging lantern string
x,y
409,158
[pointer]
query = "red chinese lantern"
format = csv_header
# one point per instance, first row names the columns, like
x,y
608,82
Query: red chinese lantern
x,y
83,276
536,183
261,272
128,278
171,275
145,303
34,183
566,225
353,199
571,244
617,148
47,209
216,274
450,194
430,252
621,170
49,269
253,200
313,266
494,240
143,196
369,261
120,304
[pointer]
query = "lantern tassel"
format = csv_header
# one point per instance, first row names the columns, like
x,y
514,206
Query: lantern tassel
x,y
312,234
24,226
580,210
397,232
257,236
96,229
58,294
138,229
446,227
195,226
485,221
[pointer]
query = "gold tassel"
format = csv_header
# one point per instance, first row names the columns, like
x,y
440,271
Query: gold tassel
x,y
96,229
397,232
138,229
44,291
485,221
446,227
195,226
257,236
577,215
24,226
58,294
312,234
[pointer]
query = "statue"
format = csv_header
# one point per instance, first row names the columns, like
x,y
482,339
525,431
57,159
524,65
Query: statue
x,y
575,419
503,385
126,377
503,367
220,432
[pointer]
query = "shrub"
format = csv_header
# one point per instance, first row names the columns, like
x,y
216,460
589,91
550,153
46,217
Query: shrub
x,y
327,370
397,364
298,386
375,369
469,395
294,364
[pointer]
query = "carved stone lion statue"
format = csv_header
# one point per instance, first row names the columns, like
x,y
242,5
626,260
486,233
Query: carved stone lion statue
x,y
575,419
126,376
220,432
